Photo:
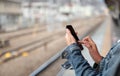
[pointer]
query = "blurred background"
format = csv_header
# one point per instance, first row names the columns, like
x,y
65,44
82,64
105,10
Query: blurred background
x,y
32,33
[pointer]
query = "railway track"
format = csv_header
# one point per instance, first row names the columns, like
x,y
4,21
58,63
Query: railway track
x,y
19,33
7,38
15,52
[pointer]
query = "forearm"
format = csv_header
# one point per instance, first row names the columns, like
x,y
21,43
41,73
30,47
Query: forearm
x,y
81,66
96,56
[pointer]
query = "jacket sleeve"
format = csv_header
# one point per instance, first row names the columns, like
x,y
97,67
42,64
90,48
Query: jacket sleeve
x,y
78,62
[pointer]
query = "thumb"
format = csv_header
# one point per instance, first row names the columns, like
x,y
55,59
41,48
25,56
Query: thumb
x,y
68,32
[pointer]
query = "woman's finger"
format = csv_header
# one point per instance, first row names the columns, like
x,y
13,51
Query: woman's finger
x,y
81,42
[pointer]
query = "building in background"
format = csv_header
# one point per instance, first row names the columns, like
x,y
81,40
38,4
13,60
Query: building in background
x,y
10,11
18,14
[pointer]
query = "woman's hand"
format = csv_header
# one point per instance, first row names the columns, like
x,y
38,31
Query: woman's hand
x,y
89,43
69,38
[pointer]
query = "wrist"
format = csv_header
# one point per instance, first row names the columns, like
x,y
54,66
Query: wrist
x,y
98,59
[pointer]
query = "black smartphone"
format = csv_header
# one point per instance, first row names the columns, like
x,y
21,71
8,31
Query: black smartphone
x,y
74,34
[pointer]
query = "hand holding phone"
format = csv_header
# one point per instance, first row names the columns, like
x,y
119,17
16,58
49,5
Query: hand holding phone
x,y
74,35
